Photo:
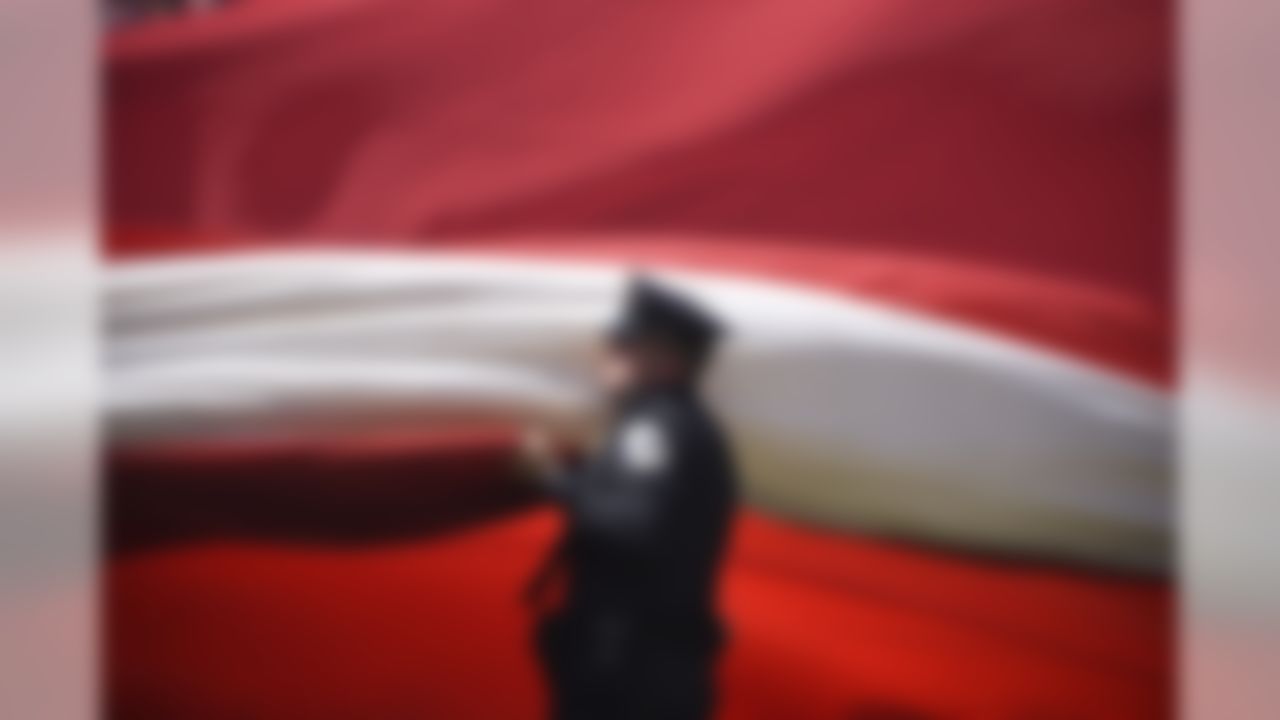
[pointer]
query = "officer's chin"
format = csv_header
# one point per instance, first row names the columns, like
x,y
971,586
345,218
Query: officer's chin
x,y
618,392
617,378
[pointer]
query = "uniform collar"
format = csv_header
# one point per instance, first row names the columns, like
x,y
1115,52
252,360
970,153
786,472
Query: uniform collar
x,y
649,393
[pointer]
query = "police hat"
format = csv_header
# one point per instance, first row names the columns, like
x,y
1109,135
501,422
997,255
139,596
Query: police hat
x,y
656,312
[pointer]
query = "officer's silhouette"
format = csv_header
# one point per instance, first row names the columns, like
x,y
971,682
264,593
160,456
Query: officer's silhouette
x,y
636,635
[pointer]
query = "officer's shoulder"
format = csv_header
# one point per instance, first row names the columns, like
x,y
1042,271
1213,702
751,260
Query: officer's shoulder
x,y
682,420
672,414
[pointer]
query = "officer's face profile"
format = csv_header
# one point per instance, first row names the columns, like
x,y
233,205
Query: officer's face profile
x,y
627,365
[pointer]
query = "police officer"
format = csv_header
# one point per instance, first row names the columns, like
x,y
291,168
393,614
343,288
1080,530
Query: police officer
x,y
647,516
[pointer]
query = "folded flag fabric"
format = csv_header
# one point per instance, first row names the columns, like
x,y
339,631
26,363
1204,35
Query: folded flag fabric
x,y
847,413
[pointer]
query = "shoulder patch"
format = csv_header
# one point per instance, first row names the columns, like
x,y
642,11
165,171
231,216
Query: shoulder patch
x,y
644,447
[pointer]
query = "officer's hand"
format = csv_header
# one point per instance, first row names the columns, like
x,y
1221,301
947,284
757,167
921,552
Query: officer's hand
x,y
540,455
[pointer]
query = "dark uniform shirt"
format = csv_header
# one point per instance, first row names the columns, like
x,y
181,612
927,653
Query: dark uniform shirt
x,y
647,517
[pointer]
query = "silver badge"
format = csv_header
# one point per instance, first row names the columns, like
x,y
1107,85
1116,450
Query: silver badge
x,y
644,447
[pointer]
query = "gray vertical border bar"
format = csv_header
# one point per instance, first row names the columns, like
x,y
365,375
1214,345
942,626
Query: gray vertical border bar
x,y
1230,348
49,629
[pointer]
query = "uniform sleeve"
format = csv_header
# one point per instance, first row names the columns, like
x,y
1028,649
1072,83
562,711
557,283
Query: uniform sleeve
x,y
560,485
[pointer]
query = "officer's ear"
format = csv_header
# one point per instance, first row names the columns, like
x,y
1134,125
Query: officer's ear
x,y
693,362
696,358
